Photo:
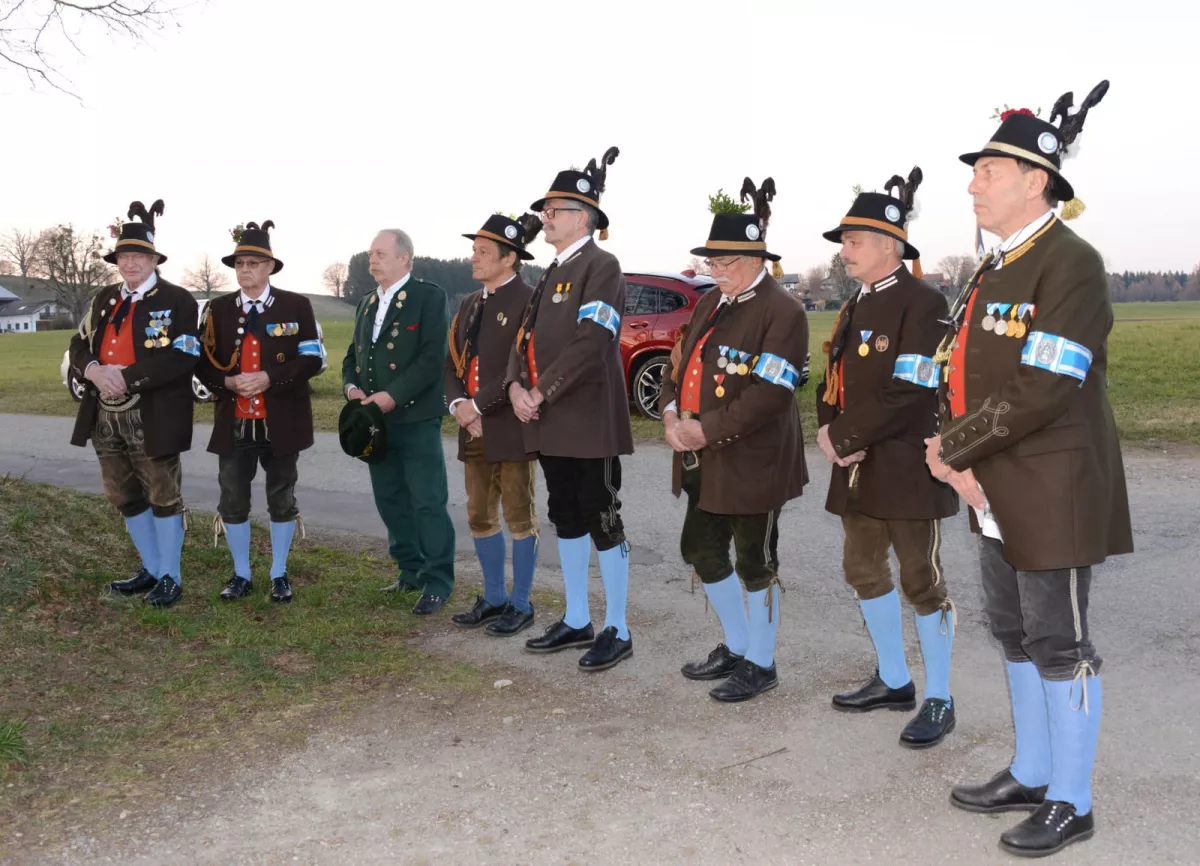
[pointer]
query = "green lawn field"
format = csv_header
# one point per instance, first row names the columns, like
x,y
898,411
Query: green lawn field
x,y
1154,374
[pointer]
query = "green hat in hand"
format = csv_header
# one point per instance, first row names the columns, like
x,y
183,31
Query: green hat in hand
x,y
362,431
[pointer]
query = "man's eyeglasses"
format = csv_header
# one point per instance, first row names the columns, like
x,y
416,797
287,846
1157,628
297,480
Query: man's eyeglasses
x,y
249,263
721,264
548,213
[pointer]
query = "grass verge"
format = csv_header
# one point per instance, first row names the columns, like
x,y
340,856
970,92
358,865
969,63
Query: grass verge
x,y
105,701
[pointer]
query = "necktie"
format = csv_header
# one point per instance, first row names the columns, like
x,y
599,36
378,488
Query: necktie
x,y
252,318
121,312
472,347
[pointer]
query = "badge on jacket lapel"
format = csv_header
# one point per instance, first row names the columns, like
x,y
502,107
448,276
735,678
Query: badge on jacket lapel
x,y
881,343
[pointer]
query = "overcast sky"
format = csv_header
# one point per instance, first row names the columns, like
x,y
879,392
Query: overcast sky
x,y
429,116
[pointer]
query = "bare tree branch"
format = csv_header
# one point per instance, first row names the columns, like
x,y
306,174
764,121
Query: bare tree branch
x,y
21,248
30,30
72,267
207,278
334,279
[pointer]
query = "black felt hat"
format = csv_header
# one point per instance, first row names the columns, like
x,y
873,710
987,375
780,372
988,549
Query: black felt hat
x,y
253,240
512,233
742,234
362,431
884,213
1024,135
137,237
585,186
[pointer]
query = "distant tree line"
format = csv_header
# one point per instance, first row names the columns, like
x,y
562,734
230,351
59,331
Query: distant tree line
x,y
453,275
1155,286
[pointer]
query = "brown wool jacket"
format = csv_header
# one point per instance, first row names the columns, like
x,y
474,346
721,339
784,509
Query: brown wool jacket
x,y
890,397
290,360
161,376
754,461
1039,432
503,439
577,350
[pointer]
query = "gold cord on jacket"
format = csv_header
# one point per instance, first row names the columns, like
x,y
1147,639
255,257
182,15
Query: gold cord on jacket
x,y
831,376
210,346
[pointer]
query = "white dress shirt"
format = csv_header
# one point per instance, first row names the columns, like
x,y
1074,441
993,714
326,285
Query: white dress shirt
x,y
987,522
385,300
261,300
571,250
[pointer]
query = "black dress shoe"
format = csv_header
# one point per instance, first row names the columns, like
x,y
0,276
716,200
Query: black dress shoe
x,y
717,666
428,605
1052,827
281,590
561,636
400,585
511,622
1001,793
481,614
746,681
608,651
140,583
930,725
237,587
876,695
165,593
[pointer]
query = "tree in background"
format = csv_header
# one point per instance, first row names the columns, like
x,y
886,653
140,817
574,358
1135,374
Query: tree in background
x,y
33,31
72,267
205,278
957,270
359,282
7,268
841,284
20,248
334,278
813,278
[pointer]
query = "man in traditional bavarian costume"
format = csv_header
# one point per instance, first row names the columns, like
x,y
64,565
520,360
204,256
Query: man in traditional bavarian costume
x,y
261,347
876,408
1028,439
497,470
137,347
395,361
568,387
729,410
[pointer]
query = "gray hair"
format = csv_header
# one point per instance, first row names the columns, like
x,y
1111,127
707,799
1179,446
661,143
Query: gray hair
x,y
593,217
404,243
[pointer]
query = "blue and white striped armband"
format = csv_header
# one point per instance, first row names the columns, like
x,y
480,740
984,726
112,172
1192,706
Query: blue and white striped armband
x,y
1057,355
187,344
777,371
917,369
602,314
310,347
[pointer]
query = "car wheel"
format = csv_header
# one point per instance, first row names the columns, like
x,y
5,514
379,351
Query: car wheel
x,y
647,385
76,387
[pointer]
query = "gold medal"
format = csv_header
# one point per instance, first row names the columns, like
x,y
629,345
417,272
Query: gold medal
x,y
742,369
989,322
1020,330
149,344
164,342
720,392
1011,330
403,295
864,349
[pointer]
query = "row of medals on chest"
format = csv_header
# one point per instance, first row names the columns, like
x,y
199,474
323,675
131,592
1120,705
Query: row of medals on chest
x,y
733,362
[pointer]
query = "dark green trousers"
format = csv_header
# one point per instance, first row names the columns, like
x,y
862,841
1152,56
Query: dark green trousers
x,y
704,542
411,495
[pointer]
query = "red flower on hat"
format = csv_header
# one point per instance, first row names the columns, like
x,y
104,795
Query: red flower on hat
x,y
114,228
1006,115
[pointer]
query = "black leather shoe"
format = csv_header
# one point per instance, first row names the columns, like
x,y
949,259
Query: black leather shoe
x,y
608,651
428,605
140,583
746,681
930,725
481,614
1001,793
717,666
281,590
238,587
165,593
1052,827
511,622
561,636
876,695
400,585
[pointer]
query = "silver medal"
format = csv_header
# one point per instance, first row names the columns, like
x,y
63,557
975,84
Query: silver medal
x,y
1001,327
989,322
557,299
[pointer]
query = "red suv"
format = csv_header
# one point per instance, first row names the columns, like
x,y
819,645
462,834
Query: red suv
x,y
657,306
